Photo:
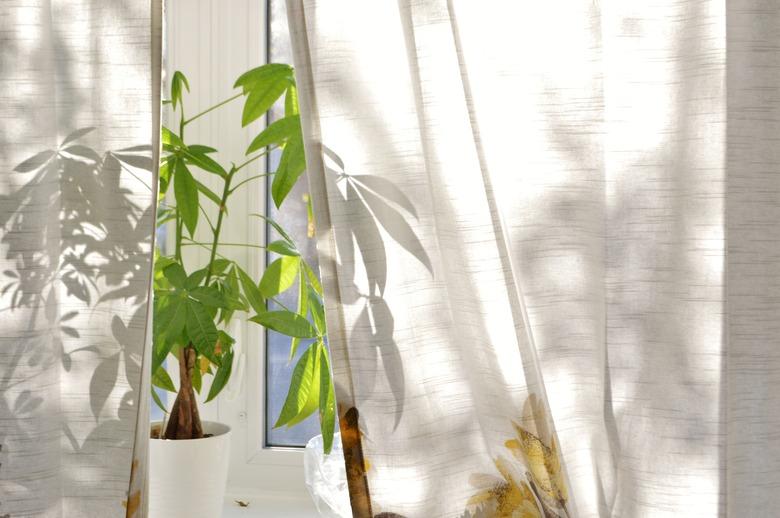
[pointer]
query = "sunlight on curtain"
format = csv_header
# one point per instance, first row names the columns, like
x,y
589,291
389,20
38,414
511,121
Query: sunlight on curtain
x,y
79,115
581,193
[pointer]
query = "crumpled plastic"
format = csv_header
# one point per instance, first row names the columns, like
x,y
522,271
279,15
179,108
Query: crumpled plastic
x,y
326,478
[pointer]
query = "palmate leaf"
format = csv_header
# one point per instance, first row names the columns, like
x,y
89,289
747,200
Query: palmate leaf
x,y
175,275
282,247
291,167
327,402
170,315
178,82
171,139
279,276
210,296
314,281
161,379
194,156
263,86
186,190
276,227
222,376
251,291
165,174
286,322
277,132
303,309
317,311
303,397
208,193
291,101
201,330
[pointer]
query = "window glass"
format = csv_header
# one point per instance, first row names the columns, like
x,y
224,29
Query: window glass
x,y
293,218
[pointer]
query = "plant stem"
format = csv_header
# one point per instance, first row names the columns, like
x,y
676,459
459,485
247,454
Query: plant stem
x,y
239,184
220,219
206,245
179,223
204,112
268,150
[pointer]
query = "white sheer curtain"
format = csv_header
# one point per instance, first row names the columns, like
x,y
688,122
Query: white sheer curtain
x,y
588,190
79,110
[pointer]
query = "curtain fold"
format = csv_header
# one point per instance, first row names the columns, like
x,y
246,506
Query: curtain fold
x,y
79,126
548,242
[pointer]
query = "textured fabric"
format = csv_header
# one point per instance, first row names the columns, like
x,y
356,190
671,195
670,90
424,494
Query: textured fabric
x,y
609,169
79,110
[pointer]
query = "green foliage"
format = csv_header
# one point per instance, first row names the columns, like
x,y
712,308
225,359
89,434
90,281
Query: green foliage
x,y
192,310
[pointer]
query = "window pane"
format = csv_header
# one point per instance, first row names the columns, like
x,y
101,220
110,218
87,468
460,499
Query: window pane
x,y
293,219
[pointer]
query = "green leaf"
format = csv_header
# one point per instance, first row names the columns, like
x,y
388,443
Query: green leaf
x,y
302,384
286,322
195,278
210,296
201,330
279,275
232,293
283,247
276,133
327,402
222,376
291,167
225,341
259,101
169,319
201,149
175,275
165,174
204,161
317,312
303,309
170,138
161,379
264,74
263,86
220,265
186,191
211,195
291,101
177,81
314,279
276,227
251,291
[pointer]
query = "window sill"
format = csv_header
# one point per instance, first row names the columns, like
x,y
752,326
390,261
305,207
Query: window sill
x,y
269,507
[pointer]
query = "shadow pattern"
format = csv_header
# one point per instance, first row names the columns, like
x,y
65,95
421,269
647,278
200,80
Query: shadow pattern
x,y
77,239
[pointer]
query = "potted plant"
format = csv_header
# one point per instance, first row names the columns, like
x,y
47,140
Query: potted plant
x,y
193,304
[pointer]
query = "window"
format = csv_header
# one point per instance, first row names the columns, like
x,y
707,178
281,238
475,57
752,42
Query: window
x,y
294,220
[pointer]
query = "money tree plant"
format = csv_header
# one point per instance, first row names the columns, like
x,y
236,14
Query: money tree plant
x,y
194,304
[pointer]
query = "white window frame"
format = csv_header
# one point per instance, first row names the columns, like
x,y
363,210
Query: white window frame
x,y
212,42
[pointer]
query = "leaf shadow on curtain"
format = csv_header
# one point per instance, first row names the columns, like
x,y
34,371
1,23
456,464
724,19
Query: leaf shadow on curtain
x,y
376,203
60,229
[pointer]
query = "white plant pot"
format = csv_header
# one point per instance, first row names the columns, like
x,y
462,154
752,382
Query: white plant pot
x,y
187,478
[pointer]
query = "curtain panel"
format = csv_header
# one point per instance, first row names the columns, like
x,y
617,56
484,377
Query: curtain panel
x,y
79,126
549,240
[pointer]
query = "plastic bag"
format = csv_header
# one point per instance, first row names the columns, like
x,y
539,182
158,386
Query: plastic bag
x,y
326,478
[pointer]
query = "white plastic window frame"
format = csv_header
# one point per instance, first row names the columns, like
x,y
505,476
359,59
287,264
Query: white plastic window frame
x,y
212,42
